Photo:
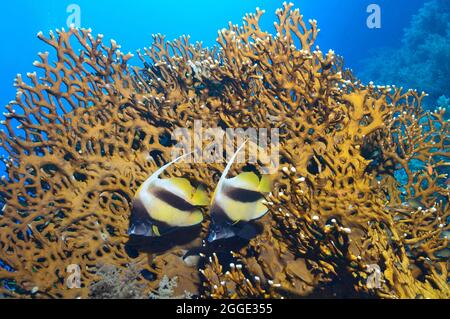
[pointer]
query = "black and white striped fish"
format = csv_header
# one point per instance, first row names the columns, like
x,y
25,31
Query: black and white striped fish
x,y
236,202
162,205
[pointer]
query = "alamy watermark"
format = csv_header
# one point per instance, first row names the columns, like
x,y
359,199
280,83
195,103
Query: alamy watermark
x,y
375,277
216,145
374,19
74,18
74,279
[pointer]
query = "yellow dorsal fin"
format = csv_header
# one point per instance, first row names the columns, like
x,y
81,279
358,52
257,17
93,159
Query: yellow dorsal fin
x,y
200,197
175,185
265,184
246,180
181,183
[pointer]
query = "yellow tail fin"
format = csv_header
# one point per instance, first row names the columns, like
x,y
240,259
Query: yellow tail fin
x,y
200,197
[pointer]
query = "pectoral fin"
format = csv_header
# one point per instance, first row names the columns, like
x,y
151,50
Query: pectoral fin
x,y
156,230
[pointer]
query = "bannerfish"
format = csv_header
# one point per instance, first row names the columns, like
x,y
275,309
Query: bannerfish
x,y
162,205
236,202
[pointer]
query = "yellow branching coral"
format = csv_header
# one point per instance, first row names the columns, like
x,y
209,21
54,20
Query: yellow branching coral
x,y
362,189
64,203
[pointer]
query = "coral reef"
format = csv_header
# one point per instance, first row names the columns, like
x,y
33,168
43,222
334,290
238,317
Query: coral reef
x,y
116,283
422,61
92,128
166,290
127,283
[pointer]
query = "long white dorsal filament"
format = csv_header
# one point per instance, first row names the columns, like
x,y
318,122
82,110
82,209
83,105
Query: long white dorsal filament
x,y
156,174
228,167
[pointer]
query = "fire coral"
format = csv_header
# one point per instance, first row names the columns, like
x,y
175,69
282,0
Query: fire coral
x,y
360,205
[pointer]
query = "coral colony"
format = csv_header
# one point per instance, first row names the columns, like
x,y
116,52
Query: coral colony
x,y
359,206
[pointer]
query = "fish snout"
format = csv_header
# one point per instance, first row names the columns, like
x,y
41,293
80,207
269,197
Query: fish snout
x,y
218,232
139,229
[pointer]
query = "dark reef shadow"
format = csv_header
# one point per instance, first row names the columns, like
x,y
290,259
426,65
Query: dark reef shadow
x,y
340,288
225,246
159,245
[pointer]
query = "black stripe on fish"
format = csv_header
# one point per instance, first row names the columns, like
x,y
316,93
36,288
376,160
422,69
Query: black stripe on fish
x,y
173,200
139,211
219,215
242,195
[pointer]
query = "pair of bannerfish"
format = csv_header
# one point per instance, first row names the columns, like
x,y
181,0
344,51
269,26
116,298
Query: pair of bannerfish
x,y
163,205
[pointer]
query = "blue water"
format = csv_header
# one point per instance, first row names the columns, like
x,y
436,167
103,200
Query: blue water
x,y
131,23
